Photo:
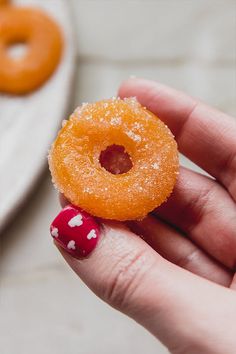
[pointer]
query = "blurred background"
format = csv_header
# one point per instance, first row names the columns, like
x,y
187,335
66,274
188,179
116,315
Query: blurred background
x,y
187,44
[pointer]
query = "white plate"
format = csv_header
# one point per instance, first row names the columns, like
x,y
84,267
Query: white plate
x,y
29,124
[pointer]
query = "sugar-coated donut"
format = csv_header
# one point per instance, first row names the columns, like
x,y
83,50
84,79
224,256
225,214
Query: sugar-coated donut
x,y
43,40
75,159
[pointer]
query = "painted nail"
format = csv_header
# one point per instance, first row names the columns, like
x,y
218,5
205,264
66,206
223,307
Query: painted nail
x,y
76,231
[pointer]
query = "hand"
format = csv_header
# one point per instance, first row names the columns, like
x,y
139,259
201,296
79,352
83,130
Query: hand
x,y
178,279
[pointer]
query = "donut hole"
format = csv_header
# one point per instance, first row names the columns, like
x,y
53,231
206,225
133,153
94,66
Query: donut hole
x,y
17,50
115,159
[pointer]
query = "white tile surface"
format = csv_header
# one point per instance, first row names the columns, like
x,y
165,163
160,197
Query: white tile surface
x,y
161,29
187,44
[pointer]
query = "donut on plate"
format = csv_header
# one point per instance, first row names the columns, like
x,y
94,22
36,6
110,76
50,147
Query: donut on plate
x,y
43,43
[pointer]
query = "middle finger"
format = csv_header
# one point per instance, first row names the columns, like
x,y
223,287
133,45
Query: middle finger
x,y
204,210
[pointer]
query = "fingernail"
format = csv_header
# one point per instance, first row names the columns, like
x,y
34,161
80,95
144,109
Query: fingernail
x,y
76,231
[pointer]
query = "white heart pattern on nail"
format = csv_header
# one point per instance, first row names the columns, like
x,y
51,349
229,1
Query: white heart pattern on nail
x,y
71,245
76,221
54,232
91,234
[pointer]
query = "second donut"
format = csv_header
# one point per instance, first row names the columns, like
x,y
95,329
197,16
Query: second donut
x,y
43,45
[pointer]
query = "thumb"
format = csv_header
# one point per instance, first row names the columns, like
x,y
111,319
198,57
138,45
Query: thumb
x,y
176,306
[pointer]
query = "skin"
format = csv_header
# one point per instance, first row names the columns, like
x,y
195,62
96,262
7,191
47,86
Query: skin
x,y
178,280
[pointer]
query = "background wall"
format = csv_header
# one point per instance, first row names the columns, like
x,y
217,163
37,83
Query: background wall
x,y
188,44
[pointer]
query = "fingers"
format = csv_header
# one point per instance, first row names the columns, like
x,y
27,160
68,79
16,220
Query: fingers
x,y
182,210
204,135
205,212
178,249
125,272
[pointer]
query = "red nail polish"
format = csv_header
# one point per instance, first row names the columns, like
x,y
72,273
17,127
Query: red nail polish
x,y
75,230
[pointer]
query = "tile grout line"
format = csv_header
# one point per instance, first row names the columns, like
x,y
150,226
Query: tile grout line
x,y
178,61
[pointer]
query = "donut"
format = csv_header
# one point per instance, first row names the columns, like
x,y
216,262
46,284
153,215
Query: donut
x,y
43,40
141,152
3,2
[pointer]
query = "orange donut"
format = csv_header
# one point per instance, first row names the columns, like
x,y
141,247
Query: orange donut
x,y
3,2
75,159
43,41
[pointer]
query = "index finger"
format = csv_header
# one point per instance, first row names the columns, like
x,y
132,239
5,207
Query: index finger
x,y
204,135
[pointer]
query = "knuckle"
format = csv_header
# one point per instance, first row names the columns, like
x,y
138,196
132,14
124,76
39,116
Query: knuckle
x,y
188,260
124,279
199,206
